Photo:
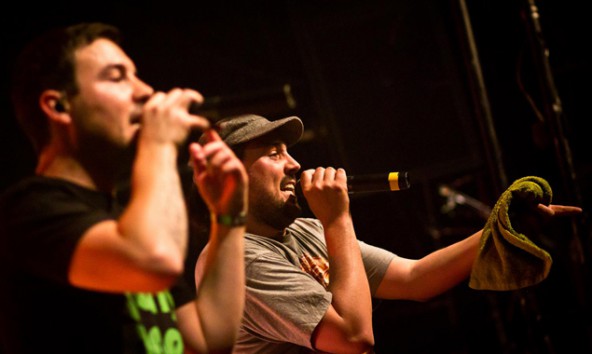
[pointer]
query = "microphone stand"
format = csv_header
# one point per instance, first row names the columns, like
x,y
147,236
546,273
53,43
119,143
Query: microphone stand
x,y
454,198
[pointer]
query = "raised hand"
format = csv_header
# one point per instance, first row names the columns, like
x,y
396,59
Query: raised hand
x,y
220,176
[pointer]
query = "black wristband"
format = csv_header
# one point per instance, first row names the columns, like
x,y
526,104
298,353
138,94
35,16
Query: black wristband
x,y
232,220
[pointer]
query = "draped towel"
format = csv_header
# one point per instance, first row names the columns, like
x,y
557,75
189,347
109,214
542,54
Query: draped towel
x,y
507,258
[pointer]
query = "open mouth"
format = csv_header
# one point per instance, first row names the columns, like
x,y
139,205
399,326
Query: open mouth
x,y
289,186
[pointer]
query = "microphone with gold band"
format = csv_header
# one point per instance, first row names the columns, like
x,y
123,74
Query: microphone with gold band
x,y
378,182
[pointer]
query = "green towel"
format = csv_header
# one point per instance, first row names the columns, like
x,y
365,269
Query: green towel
x,y
507,258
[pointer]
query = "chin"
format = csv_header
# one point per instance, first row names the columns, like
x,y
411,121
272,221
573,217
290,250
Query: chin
x,y
293,200
292,209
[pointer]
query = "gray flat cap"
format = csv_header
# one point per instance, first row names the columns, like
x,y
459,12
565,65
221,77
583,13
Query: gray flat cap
x,y
244,128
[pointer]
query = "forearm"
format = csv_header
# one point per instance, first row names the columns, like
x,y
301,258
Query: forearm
x,y
221,292
155,219
443,269
348,281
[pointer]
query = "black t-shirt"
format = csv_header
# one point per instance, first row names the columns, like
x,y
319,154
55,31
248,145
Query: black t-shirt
x,y
41,221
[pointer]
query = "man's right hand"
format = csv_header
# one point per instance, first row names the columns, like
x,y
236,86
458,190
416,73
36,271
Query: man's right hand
x,y
325,190
166,117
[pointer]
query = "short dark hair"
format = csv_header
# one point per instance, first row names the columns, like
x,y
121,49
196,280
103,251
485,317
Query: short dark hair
x,y
47,62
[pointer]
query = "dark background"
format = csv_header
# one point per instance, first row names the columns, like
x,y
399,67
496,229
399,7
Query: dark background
x,y
467,95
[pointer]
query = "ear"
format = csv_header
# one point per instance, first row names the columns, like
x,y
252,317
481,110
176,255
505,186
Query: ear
x,y
55,105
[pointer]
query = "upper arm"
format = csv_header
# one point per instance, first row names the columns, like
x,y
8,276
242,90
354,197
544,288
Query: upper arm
x,y
395,283
103,259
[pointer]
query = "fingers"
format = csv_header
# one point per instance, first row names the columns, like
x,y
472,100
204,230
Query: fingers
x,y
325,190
198,158
220,176
306,177
183,98
214,156
166,116
197,121
212,135
558,210
322,177
318,176
341,175
327,174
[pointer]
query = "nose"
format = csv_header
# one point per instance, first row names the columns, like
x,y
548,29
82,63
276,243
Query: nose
x,y
292,166
142,90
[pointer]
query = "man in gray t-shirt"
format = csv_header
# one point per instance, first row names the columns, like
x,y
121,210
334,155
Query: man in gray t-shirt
x,y
287,286
310,281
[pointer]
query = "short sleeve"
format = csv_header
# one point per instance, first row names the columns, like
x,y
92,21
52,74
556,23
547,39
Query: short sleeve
x,y
376,261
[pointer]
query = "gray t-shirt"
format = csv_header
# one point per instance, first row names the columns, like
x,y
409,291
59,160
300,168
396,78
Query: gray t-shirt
x,y
286,287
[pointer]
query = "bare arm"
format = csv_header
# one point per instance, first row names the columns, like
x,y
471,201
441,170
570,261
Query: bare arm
x,y
144,249
347,324
431,275
222,182
443,269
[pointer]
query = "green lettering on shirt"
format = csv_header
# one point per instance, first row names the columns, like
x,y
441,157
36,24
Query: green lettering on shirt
x,y
147,310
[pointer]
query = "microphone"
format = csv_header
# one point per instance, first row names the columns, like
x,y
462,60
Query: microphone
x,y
454,198
208,108
378,182
267,101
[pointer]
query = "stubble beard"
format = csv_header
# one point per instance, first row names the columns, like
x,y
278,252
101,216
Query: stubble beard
x,y
109,161
274,212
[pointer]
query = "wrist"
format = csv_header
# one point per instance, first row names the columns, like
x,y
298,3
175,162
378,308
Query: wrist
x,y
230,220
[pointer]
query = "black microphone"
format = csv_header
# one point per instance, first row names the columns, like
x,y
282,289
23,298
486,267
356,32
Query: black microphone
x,y
377,182
267,101
208,109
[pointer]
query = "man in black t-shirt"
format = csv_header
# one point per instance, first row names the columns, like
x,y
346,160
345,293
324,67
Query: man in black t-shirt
x,y
79,272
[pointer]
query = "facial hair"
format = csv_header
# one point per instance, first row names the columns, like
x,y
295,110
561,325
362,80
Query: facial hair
x,y
270,209
108,161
